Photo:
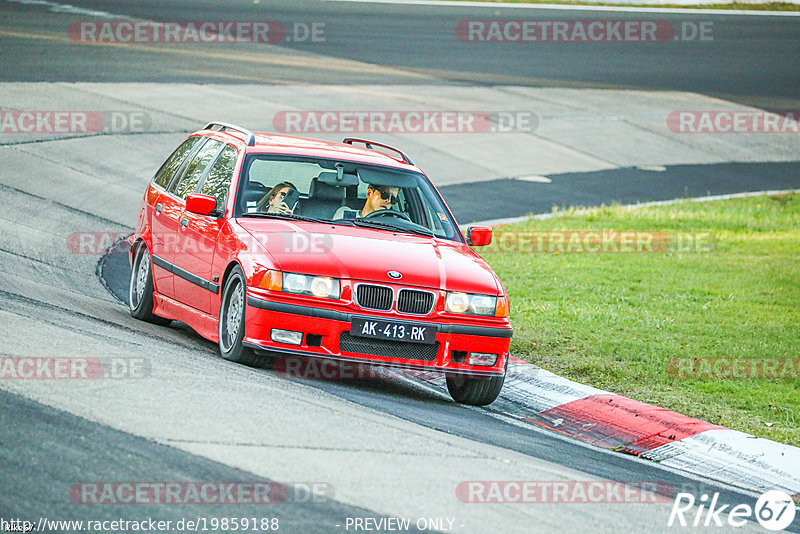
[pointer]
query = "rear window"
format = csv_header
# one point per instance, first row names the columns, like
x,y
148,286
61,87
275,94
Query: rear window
x,y
191,177
167,170
264,173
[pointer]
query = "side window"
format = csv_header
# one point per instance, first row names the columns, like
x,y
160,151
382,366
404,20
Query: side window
x,y
219,176
196,168
167,170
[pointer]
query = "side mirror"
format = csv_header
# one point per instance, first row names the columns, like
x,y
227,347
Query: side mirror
x,y
201,204
479,236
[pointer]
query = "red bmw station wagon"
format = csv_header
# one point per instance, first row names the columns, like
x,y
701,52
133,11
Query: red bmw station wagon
x,y
278,245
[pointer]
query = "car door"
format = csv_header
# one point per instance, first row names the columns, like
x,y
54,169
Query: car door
x,y
197,236
163,223
187,261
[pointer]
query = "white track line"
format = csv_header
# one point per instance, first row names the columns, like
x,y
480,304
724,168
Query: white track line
x,y
542,216
566,7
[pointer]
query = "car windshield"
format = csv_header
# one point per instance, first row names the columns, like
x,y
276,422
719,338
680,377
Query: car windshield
x,y
342,192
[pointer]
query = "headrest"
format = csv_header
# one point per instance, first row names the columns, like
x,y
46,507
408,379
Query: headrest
x,y
322,191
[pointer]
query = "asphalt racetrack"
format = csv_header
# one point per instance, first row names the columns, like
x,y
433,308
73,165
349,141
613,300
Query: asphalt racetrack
x,y
335,450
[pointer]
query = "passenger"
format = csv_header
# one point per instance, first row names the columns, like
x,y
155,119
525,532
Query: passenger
x,y
273,202
379,197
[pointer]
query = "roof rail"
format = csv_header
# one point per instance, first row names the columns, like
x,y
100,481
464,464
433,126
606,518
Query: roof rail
x,y
369,144
250,139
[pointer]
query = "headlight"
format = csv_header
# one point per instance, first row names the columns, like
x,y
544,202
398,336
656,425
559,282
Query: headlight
x,y
472,304
316,286
301,284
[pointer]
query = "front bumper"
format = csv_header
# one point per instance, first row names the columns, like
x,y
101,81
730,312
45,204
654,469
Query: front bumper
x,y
326,334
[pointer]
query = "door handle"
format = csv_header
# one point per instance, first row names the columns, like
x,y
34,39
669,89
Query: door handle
x,y
184,222
159,207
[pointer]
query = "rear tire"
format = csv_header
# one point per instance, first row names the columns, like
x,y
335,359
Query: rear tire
x,y
231,321
140,290
477,391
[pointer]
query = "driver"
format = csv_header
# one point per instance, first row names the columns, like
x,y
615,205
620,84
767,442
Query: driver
x,y
379,197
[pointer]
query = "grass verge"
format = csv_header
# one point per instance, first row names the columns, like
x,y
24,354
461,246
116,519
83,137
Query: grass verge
x,y
616,320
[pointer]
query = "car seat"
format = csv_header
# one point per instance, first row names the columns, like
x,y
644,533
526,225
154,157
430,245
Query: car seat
x,y
323,200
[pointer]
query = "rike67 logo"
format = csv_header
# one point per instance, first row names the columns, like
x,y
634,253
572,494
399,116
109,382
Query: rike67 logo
x,y
774,510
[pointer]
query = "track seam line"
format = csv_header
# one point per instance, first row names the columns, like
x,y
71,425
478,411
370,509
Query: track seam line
x,y
65,206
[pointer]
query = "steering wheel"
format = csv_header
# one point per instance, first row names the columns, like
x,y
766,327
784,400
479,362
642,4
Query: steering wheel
x,y
387,213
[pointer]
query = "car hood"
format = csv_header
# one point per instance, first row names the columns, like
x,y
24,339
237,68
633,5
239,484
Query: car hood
x,y
368,255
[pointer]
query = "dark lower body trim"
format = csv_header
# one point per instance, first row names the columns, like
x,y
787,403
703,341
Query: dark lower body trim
x,y
186,275
333,315
291,352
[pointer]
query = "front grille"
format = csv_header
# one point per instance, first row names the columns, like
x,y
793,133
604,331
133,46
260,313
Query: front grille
x,y
388,348
413,301
374,297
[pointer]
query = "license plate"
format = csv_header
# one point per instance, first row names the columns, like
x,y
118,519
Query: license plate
x,y
411,333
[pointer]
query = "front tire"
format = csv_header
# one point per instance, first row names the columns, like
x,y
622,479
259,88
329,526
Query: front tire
x,y
231,321
140,290
479,391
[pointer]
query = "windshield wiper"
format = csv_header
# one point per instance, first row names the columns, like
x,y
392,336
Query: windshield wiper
x,y
383,225
285,216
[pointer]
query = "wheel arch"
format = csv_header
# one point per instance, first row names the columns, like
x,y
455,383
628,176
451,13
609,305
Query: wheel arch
x,y
226,274
136,239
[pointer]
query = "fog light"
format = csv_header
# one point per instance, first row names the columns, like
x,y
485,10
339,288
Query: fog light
x,y
482,358
286,336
